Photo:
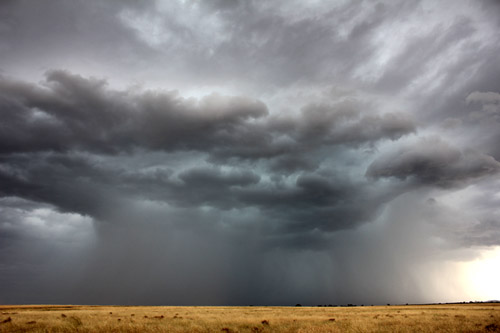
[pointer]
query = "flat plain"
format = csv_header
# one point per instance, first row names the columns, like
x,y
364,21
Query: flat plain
x,y
469,317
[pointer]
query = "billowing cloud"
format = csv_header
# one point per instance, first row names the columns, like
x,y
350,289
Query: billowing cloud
x,y
70,112
434,162
246,152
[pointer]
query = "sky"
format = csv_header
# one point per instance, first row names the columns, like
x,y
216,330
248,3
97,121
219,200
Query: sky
x,y
232,152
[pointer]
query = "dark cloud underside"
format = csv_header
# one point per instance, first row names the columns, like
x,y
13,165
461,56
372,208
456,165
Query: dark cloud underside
x,y
245,152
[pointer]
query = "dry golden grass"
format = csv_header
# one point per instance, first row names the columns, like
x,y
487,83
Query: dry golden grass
x,y
484,317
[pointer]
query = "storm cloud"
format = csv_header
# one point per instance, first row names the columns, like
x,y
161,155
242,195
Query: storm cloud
x,y
242,152
433,162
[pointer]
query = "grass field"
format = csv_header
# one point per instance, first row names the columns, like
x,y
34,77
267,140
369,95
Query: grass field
x,y
478,317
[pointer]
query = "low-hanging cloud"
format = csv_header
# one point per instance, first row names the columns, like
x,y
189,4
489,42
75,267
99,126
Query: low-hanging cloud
x,y
70,112
245,152
432,161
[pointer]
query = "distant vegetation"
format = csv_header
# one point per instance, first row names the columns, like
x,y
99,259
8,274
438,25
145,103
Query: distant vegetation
x,y
470,317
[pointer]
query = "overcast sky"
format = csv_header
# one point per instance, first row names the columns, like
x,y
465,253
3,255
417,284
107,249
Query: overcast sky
x,y
229,152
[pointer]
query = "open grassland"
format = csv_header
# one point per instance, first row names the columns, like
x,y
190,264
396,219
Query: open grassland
x,y
483,317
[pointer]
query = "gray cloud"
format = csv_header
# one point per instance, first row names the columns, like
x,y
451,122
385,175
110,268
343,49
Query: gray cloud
x,y
71,112
490,102
433,162
246,152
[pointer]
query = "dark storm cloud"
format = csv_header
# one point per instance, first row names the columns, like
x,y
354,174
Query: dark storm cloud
x,y
44,125
321,202
340,148
209,177
71,112
434,162
346,123
314,201
70,183
290,164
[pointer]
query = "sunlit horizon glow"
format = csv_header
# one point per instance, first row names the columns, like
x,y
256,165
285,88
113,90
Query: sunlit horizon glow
x,y
481,276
